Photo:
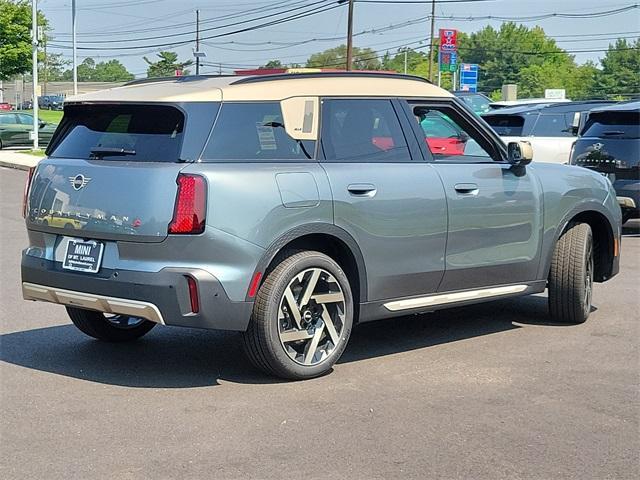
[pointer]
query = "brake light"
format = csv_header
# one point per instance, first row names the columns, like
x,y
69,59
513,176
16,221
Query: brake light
x,y
25,196
191,205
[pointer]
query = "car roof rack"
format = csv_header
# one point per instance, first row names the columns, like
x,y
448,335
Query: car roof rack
x,y
183,78
351,74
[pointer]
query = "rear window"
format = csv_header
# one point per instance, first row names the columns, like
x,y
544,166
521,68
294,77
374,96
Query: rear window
x,y
506,125
139,133
254,132
613,125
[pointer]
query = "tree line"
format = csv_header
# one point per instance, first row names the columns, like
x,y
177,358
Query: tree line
x,y
509,54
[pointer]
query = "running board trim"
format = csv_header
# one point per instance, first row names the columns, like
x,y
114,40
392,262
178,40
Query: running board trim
x,y
91,301
433,300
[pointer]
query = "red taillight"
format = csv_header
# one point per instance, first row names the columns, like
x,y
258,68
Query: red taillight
x,y
26,192
193,295
191,205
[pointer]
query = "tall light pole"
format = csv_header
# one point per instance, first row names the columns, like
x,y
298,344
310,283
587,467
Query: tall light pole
x,y
433,26
197,42
75,47
34,72
350,37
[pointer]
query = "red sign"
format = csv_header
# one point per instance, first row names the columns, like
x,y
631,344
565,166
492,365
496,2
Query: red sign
x,y
448,40
178,73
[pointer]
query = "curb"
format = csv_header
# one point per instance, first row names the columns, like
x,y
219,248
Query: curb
x,y
15,166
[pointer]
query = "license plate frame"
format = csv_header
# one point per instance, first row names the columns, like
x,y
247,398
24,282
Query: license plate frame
x,y
83,255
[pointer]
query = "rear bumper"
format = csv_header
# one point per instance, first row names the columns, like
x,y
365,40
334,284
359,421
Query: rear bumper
x,y
162,297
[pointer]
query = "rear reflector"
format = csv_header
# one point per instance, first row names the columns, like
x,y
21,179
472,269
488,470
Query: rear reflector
x,y
26,192
193,295
191,205
255,283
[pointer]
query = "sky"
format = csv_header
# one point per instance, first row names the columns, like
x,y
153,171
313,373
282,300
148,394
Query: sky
x,y
386,26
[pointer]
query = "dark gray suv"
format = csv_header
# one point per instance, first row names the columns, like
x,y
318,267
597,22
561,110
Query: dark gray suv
x,y
291,207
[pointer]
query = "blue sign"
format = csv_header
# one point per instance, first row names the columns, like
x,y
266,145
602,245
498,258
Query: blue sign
x,y
469,77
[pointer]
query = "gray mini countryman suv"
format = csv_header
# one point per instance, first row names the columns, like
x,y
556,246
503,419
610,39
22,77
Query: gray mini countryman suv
x,y
291,207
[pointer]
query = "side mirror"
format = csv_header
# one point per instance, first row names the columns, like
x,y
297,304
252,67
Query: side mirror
x,y
520,153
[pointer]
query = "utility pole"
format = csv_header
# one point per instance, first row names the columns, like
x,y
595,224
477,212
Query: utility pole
x,y
75,47
34,73
433,27
405,61
350,37
197,42
46,65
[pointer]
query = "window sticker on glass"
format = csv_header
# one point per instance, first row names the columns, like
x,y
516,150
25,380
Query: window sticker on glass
x,y
266,137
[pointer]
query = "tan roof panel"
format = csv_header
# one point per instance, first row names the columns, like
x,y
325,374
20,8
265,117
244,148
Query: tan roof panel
x,y
193,89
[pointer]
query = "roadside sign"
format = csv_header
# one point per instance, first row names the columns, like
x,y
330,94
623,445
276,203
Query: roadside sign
x,y
469,77
555,93
448,50
178,73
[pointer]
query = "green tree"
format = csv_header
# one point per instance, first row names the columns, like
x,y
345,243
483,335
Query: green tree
x,y
503,53
167,65
620,70
415,61
363,59
109,71
15,38
272,64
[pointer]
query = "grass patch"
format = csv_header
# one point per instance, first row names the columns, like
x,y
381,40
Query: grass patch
x,y
35,153
49,116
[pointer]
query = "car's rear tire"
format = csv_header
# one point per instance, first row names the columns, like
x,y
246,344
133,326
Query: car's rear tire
x,y
109,328
303,340
571,275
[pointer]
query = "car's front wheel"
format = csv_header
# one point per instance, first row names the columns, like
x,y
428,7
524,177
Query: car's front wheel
x,y
109,327
571,275
302,317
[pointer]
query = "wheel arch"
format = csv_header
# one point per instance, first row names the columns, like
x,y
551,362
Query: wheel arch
x,y
328,239
605,237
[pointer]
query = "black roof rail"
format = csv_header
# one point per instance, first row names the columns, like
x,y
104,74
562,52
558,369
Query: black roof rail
x,y
354,74
184,78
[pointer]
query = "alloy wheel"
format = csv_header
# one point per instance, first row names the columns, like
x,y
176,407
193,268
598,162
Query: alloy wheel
x,y
311,316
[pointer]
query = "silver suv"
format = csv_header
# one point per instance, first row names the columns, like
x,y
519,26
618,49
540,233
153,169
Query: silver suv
x,y
291,207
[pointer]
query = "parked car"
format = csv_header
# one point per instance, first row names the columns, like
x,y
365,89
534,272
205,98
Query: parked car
x,y
477,102
523,102
310,204
5,106
16,127
551,129
51,102
26,105
609,143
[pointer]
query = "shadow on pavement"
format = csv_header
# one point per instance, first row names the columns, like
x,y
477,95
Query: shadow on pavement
x,y
631,228
184,358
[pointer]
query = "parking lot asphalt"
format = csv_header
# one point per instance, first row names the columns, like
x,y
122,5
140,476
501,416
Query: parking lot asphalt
x,y
490,391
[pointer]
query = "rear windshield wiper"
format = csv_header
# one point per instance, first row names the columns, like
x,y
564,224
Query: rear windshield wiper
x,y
100,152
613,132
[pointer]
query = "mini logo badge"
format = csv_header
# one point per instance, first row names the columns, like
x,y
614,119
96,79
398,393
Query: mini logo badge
x,y
79,181
598,146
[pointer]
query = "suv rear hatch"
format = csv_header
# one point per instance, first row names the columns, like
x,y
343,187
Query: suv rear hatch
x,y
610,144
112,171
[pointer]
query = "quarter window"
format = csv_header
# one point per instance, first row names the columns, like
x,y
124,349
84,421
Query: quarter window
x,y
551,126
362,131
254,132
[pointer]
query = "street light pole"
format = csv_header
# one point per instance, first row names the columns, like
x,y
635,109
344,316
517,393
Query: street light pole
x,y
34,73
75,47
350,37
433,26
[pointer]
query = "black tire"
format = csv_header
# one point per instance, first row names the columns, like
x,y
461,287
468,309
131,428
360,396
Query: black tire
x,y
264,342
96,325
571,275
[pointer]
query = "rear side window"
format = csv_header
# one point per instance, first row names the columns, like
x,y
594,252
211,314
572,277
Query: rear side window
x,y
506,125
362,131
138,133
613,125
254,132
552,126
